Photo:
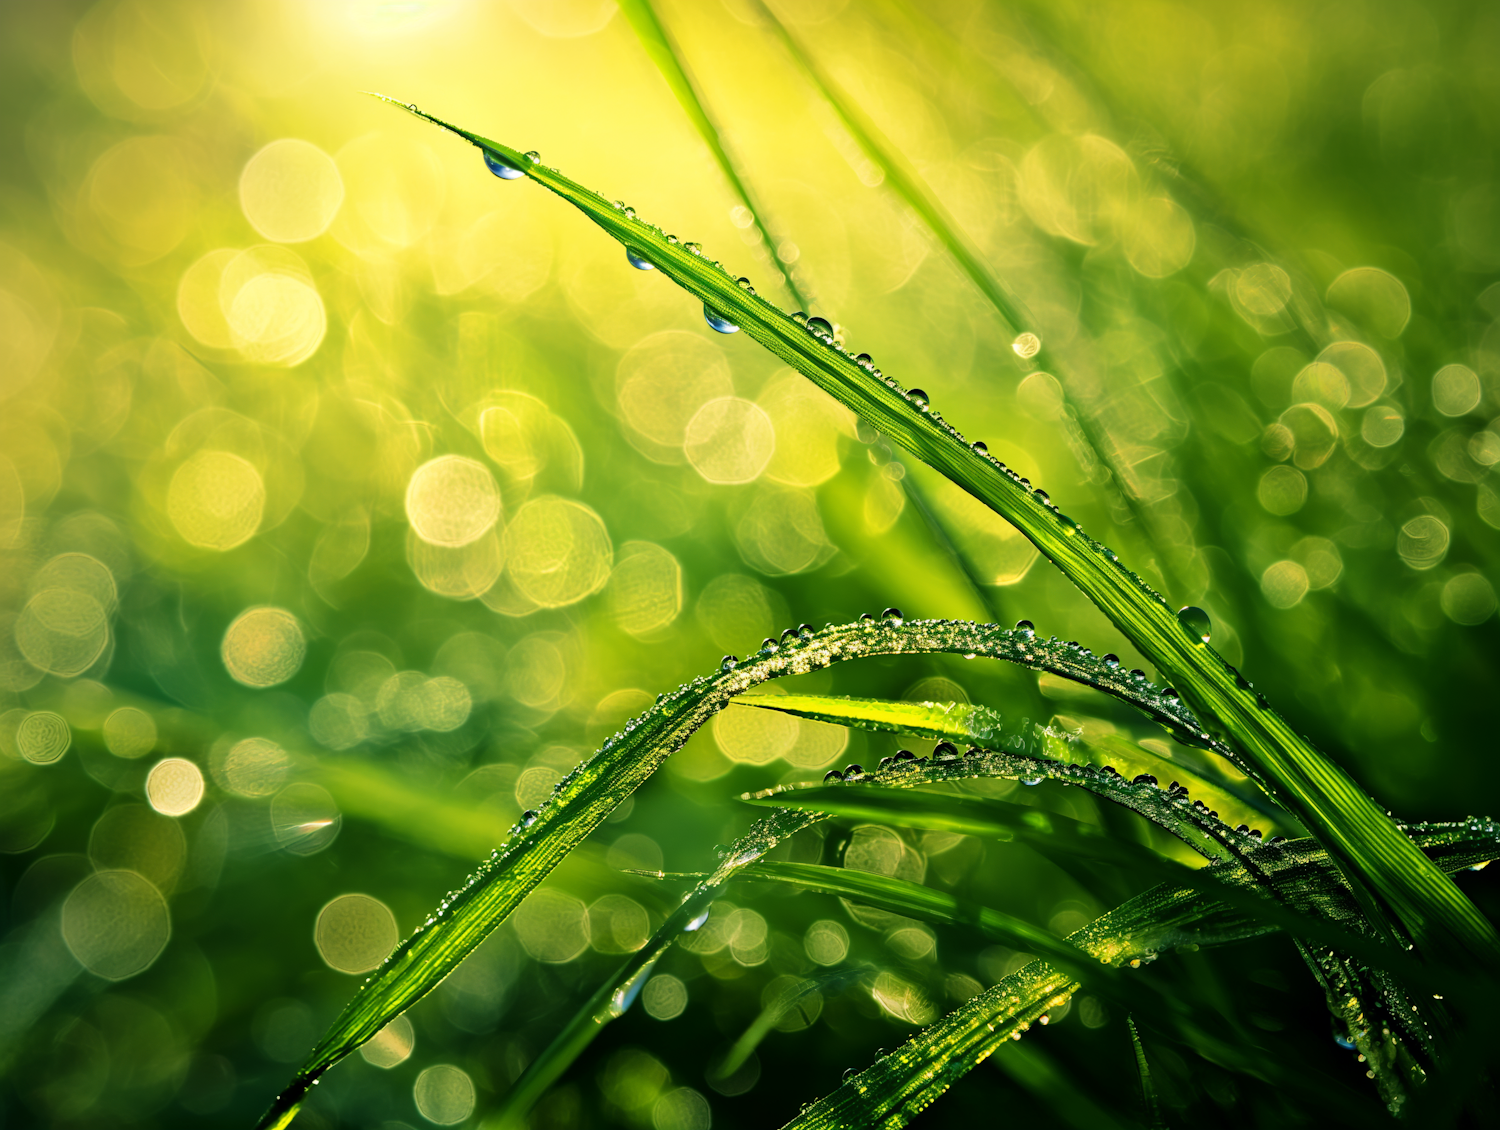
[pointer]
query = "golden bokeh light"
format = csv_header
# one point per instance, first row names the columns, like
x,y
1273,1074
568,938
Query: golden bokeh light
x,y
1362,368
664,997
290,191
557,552
552,925
452,500
1456,390
143,194
62,631
174,786
618,924
305,818
354,933
116,924
808,425
781,532
395,191
444,1094
216,500
43,737
661,383
729,440
129,732
338,721
254,767
263,647
461,572
736,611
391,1046
271,306
645,588
1376,299
754,736
1160,237
1284,584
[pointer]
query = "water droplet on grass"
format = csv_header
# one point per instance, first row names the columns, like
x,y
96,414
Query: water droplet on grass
x,y
918,397
893,617
1196,621
534,157
1026,627
831,776
718,322
1027,345
639,261
500,167
820,327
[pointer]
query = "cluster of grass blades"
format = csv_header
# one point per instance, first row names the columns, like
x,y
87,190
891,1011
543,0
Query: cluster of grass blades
x,y
1405,958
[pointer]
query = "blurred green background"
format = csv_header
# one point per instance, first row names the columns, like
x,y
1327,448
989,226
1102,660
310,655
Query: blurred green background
x,y
349,496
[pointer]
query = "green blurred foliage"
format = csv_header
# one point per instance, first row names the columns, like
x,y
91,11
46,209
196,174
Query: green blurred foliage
x,y
349,496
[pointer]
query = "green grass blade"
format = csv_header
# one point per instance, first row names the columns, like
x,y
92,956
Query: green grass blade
x,y
1149,1103
659,44
613,997
1394,881
584,798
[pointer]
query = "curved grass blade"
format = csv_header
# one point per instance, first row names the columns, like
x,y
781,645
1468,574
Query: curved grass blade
x,y
897,1087
591,791
1403,893
663,50
965,722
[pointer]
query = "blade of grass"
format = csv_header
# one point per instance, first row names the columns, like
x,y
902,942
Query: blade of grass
x,y
590,792
662,49
1403,893
1149,1104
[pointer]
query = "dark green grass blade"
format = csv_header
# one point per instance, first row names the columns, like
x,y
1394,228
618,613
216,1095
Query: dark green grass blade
x,y
1398,886
659,44
897,1087
1150,1106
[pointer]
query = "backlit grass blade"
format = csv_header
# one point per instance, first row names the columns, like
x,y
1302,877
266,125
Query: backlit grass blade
x,y
965,722
1393,880
586,796
659,44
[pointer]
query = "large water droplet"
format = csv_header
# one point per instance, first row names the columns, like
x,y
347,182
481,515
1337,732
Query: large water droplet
x,y
831,776
917,396
893,617
1196,621
820,327
728,663
980,447
1026,627
528,818
718,321
639,261
534,157
1027,345
500,167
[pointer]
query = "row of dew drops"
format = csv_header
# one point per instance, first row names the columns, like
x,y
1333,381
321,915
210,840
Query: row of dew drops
x,y
1026,345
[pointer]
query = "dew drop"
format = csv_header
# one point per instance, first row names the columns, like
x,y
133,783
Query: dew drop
x,y
728,663
1031,780
639,261
718,322
769,645
1143,779
893,617
831,776
979,447
534,157
945,751
805,630
528,818
820,327
1111,661
500,167
918,397
1027,345
799,317
855,770
1196,621
865,361
693,248
1026,627
673,240
905,755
